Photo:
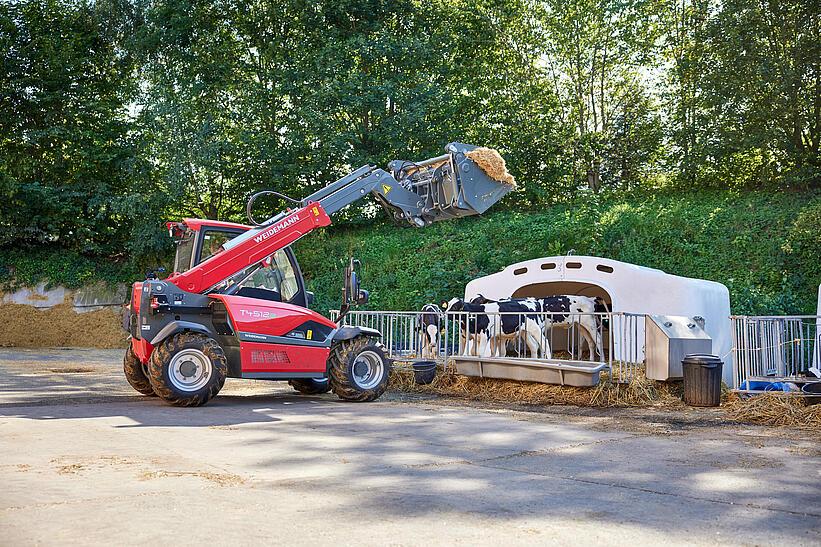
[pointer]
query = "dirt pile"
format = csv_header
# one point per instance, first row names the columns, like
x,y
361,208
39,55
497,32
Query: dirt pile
x,y
492,163
29,327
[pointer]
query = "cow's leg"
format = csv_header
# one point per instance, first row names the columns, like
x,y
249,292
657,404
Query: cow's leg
x,y
500,345
493,342
546,352
597,336
424,344
547,330
433,341
473,344
533,338
593,337
587,341
480,344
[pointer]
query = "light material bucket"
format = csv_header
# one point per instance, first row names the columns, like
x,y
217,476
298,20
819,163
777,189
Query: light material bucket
x,y
445,187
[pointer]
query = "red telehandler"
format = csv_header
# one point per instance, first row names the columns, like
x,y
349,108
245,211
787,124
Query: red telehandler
x,y
236,304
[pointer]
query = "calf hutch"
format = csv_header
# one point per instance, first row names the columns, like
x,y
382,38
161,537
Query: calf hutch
x,y
624,289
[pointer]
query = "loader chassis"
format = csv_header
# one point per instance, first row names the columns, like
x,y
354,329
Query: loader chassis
x,y
236,304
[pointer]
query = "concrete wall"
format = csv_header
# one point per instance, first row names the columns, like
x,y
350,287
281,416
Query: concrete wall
x,y
91,298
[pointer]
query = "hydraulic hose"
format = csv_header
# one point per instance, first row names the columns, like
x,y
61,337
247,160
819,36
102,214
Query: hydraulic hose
x,y
250,205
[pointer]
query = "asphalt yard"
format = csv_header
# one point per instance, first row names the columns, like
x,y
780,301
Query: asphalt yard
x,y
85,460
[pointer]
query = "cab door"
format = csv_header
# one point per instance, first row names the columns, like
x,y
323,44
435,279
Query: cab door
x,y
276,279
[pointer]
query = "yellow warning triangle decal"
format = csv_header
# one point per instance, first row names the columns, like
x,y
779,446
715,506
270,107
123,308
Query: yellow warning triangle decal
x,y
386,188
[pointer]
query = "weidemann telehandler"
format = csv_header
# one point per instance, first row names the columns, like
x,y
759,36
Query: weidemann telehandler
x,y
236,303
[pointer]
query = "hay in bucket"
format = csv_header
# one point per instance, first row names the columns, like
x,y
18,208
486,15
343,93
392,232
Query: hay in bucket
x,y
493,164
775,409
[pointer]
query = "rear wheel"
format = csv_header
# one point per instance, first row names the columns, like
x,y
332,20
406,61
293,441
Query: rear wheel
x,y
135,373
359,370
188,369
311,386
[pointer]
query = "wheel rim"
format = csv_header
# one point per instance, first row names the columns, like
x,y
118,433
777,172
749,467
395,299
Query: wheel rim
x,y
190,370
368,369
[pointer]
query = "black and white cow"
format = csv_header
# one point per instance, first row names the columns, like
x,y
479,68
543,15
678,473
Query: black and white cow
x,y
429,327
565,311
561,311
486,328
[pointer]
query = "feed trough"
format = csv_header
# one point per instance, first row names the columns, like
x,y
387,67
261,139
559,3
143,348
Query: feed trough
x,y
546,371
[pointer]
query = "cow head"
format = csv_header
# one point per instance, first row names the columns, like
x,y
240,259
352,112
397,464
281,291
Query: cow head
x,y
454,304
480,299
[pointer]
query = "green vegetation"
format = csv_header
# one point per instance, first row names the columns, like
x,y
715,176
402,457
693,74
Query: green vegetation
x,y
680,134
763,246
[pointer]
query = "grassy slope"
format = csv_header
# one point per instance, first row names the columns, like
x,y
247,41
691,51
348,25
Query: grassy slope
x,y
764,246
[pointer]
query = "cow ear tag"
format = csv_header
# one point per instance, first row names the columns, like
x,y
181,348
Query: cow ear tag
x,y
444,305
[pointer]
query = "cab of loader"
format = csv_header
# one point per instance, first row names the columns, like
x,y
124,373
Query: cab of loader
x,y
278,278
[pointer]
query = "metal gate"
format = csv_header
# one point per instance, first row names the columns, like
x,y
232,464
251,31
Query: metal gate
x,y
615,339
780,346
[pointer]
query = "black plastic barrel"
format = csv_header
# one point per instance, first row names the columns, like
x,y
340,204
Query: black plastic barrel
x,y
702,379
424,372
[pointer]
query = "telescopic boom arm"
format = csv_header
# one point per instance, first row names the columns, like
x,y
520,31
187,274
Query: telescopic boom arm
x,y
441,188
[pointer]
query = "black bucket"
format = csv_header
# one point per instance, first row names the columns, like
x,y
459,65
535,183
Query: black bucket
x,y
424,372
812,388
702,379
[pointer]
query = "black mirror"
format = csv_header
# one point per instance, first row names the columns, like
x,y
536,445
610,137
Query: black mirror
x,y
354,285
309,298
352,294
350,290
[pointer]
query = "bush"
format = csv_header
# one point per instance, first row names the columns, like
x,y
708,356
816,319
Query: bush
x,y
764,246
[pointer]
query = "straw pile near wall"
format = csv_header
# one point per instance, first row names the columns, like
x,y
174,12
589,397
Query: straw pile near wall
x,y
492,163
25,326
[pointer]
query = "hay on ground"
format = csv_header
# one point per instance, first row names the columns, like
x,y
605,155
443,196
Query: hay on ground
x,y
492,163
639,392
774,409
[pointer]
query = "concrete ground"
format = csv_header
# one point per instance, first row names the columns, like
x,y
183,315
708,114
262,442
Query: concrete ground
x,y
85,461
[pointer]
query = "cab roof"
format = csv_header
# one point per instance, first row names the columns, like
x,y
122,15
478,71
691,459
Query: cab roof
x,y
197,224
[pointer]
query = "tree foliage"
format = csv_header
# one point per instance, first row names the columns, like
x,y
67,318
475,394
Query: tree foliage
x,y
117,114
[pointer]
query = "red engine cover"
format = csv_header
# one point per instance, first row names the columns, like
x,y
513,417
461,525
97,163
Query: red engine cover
x,y
271,321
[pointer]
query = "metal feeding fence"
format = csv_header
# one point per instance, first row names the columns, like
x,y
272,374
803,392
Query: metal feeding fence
x,y
775,346
613,339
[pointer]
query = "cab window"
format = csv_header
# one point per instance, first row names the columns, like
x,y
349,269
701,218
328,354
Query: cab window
x,y
288,286
273,279
212,241
185,250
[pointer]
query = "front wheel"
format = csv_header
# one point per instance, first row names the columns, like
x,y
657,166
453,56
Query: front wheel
x,y
187,369
135,373
359,370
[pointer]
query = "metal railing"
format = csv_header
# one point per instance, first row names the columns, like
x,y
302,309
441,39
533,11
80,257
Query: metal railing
x,y
616,339
777,346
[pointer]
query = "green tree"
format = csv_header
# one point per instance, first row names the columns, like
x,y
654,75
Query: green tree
x,y
748,80
248,95
70,158
594,51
